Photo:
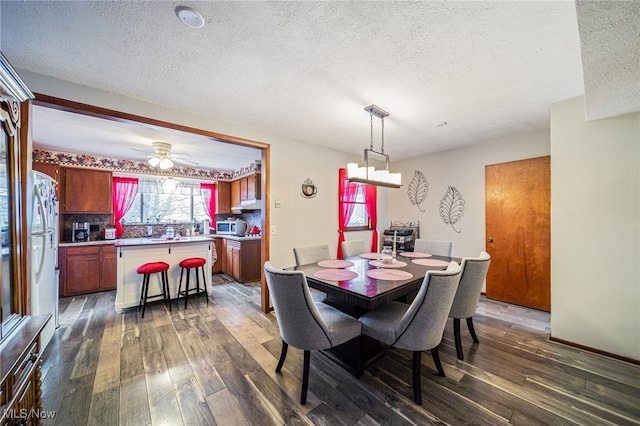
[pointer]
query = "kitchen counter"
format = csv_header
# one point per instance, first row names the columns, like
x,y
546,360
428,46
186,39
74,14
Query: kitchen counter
x,y
87,243
126,242
235,237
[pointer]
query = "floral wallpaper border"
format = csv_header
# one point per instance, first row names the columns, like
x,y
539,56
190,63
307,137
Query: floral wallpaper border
x,y
129,166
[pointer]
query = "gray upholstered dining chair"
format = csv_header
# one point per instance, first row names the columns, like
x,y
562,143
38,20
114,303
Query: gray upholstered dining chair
x,y
439,248
465,303
313,254
354,247
419,326
303,323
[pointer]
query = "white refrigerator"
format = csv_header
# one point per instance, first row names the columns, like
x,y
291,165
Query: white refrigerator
x,y
44,252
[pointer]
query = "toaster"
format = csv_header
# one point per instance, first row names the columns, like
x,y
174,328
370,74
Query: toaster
x,y
109,233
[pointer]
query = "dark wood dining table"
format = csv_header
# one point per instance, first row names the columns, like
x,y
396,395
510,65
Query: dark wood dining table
x,y
361,294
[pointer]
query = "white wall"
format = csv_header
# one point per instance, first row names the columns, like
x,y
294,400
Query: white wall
x,y
299,221
463,169
595,229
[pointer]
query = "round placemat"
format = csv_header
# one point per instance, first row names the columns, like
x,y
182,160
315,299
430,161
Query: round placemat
x,y
431,262
414,254
393,264
389,274
335,274
335,263
370,255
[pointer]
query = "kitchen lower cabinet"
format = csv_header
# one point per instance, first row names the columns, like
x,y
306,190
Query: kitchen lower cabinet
x,y
108,267
243,260
221,256
87,269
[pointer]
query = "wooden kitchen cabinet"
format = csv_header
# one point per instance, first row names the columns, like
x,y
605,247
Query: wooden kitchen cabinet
x,y
86,191
223,203
221,256
108,267
248,188
87,269
253,187
243,260
235,193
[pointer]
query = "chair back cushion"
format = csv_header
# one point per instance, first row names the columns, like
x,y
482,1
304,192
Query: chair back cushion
x,y
353,248
300,323
313,254
439,248
422,326
474,272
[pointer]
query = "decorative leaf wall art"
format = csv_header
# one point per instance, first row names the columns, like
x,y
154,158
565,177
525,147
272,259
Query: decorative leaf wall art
x,y
418,189
452,207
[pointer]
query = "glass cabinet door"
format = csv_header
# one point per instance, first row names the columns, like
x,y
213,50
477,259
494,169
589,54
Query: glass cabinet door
x,y
15,161
5,220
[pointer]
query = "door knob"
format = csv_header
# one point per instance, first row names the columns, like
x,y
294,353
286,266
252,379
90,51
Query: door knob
x,y
490,239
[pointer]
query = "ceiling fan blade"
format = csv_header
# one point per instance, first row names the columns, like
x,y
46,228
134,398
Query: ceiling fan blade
x,y
184,161
146,151
181,154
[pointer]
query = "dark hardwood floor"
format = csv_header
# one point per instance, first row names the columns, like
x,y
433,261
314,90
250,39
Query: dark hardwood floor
x,y
215,363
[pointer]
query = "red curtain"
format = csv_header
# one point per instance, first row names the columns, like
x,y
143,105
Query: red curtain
x,y
124,192
209,197
371,202
347,193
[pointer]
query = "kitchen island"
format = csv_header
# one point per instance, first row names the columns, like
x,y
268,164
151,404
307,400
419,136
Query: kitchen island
x,y
133,252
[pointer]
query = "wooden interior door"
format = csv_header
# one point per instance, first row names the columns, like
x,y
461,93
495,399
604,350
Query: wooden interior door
x,y
518,232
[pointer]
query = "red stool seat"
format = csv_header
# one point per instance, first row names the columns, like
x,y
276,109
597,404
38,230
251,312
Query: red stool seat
x,y
152,267
193,262
146,270
189,264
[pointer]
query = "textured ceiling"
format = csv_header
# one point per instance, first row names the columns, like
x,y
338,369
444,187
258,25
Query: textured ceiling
x,y
610,40
306,70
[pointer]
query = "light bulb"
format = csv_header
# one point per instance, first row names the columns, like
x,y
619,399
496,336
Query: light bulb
x,y
166,163
154,161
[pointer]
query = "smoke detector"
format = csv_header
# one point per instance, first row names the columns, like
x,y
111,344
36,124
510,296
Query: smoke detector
x,y
191,18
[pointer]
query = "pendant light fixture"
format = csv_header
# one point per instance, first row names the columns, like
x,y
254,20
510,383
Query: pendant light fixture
x,y
368,174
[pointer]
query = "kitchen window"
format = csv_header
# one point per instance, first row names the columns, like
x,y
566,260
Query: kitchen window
x,y
157,202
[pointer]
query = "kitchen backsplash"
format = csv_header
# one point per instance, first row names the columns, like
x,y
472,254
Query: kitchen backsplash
x,y
98,222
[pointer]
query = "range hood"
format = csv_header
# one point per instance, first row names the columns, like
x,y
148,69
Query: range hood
x,y
248,205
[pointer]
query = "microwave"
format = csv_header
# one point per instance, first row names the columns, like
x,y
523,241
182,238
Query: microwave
x,y
226,227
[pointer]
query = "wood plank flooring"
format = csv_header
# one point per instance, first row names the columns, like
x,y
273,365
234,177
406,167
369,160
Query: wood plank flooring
x,y
213,364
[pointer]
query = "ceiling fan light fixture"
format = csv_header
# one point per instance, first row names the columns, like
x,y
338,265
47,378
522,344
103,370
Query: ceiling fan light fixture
x,y
165,163
154,161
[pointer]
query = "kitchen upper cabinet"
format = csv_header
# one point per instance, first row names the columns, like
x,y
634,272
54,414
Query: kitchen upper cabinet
x,y
223,203
86,191
252,188
235,193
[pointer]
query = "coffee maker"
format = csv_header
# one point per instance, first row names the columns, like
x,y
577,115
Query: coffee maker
x,y
80,232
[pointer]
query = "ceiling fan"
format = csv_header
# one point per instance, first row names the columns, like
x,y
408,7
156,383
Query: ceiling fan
x,y
163,158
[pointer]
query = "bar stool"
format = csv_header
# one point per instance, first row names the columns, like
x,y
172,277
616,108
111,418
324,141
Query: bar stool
x,y
189,264
151,268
